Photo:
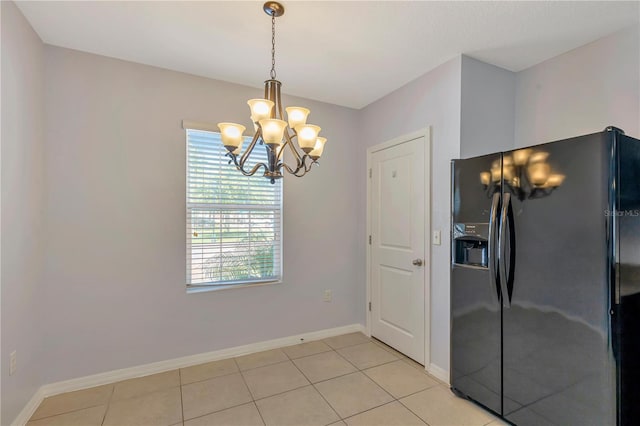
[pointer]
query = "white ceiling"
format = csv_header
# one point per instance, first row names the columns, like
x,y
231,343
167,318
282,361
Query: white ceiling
x,y
345,53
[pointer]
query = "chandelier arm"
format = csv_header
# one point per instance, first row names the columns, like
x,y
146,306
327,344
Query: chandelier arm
x,y
293,148
249,149
308,169
281,152
293,172
303,166
299,166
240,166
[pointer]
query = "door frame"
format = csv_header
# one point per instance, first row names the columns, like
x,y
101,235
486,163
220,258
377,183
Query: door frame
x,y
426,133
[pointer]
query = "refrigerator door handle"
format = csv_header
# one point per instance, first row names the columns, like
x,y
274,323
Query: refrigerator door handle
x,y
502,250
492,243
512,251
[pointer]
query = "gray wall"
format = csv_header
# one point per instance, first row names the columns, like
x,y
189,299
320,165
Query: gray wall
x,y
581,91
115,223
487,108
577,93
110,170
431,100
22,209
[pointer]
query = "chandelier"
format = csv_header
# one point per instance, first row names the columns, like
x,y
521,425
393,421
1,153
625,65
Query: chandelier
x,y
270,129
526,172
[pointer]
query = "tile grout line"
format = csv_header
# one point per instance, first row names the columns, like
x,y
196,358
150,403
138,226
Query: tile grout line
x,y
260,366
104,416
244,380
415,414
406,359
209,378
110,400
218,411
410,410
227,408
265,365
280,393
66,412
418,391
358,370
373,366
77,409
431,387
369,340
386,403
345,358
335,377
394,398
310,383
275,394
233,372
314,386
106,405
259,413
181,400
307,356
253,400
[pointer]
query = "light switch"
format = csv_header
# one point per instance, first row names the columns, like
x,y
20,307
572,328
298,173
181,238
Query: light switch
x,y
436,238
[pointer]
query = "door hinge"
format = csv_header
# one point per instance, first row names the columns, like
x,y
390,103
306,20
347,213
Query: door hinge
x,y
369,239
370,172
369,306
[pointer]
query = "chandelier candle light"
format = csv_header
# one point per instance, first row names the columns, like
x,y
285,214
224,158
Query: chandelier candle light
x,y
271,130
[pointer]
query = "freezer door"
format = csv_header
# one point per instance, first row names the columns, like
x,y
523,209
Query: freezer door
x,y
558,361
627,291
475,308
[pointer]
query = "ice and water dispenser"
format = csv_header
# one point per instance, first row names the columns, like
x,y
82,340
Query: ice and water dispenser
x,y
471,244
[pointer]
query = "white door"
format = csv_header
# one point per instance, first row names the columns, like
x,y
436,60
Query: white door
x,y
397,201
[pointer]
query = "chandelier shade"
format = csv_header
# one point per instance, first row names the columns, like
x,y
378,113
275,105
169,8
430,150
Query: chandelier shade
x,y
297,116
260,109
318,148
307,136
271,131
231,135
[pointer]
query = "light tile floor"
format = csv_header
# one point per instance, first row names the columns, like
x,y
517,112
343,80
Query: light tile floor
x,y
343,380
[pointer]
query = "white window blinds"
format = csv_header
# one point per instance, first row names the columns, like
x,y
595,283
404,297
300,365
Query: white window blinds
x,y
233,221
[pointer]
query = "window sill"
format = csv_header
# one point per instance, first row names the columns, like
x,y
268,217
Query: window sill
x,y
206,289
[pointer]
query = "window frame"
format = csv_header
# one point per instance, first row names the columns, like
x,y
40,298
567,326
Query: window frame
x,y
224,285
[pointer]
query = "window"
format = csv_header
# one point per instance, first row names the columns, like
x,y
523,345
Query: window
x,y
233,221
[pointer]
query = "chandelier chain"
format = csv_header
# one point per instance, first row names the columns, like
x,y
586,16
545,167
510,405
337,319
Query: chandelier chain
x,y
273,47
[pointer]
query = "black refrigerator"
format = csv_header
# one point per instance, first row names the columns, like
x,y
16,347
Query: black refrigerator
x,y
545,281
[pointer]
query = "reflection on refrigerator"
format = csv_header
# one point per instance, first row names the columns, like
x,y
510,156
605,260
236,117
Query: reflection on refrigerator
x,y
544,281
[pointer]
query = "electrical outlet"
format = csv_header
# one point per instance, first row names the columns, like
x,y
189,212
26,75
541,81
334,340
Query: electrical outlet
x,y
436,238
12,363
327,296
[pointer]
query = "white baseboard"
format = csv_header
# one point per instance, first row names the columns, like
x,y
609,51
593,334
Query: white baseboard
x,y
28,410
438,373
171,364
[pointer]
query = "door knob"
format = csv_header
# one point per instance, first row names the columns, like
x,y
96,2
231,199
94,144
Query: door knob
x,y
417,262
